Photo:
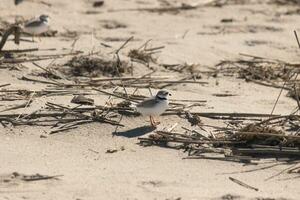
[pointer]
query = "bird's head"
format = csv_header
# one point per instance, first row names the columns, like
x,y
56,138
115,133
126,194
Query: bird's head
x,y
163,94
44,18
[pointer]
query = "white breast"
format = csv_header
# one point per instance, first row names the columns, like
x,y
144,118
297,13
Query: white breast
x,y
156,110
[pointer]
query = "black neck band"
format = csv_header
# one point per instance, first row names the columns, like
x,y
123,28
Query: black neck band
x,y
161,98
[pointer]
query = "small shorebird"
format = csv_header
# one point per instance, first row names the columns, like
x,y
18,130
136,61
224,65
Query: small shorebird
x,y
154,106
37,26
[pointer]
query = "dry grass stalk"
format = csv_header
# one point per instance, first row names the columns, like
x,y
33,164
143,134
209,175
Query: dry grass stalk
x,y
144,54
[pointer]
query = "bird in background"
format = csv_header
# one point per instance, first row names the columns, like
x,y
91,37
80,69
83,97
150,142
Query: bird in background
x,y
17,2
37,25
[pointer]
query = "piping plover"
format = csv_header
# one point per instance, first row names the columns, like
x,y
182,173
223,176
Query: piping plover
x,y
154,106
37,26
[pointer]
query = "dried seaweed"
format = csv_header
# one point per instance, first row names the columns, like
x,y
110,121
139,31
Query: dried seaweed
x,y
268,72
273,137
92,66
112,24
16,177
230,29
144,54
284,2
141,55
164,9
185,67
221,3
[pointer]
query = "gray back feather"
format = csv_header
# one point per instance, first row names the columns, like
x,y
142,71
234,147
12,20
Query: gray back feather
x,y
148,103
33,23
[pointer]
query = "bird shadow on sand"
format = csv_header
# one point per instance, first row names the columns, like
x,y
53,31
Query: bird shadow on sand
x,y
136,132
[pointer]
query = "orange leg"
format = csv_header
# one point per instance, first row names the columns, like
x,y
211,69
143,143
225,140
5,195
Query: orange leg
x,y
152,121
155,122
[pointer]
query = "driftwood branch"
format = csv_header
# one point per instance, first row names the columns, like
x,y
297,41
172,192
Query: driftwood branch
x,y
15,30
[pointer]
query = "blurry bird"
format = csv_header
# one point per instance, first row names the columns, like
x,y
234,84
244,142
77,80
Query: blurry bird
x,y
18,2
154,106
37,26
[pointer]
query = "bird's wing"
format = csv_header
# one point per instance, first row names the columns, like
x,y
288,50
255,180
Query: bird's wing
x,y
148,103
33,23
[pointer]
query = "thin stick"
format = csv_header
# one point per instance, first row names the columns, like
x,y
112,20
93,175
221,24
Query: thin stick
x,y
172,127
4,85
23,105
280,94
297,96
117,126
123,45
20,50
63,129
150,92
28,103
40,81
253,170
159,9
40,177
297,38
292,137
115,95
281,172
242,184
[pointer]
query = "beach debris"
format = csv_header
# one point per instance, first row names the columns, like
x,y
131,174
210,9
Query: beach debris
x,y
284,2
111,150
172,9
264,71
192,118
144,54
274,137
224,95
228,28
82,100
243,184
98,3
12,30
16,177
190,68
115,150
93,66
112,24
230,197
227,20
23,105
258,72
